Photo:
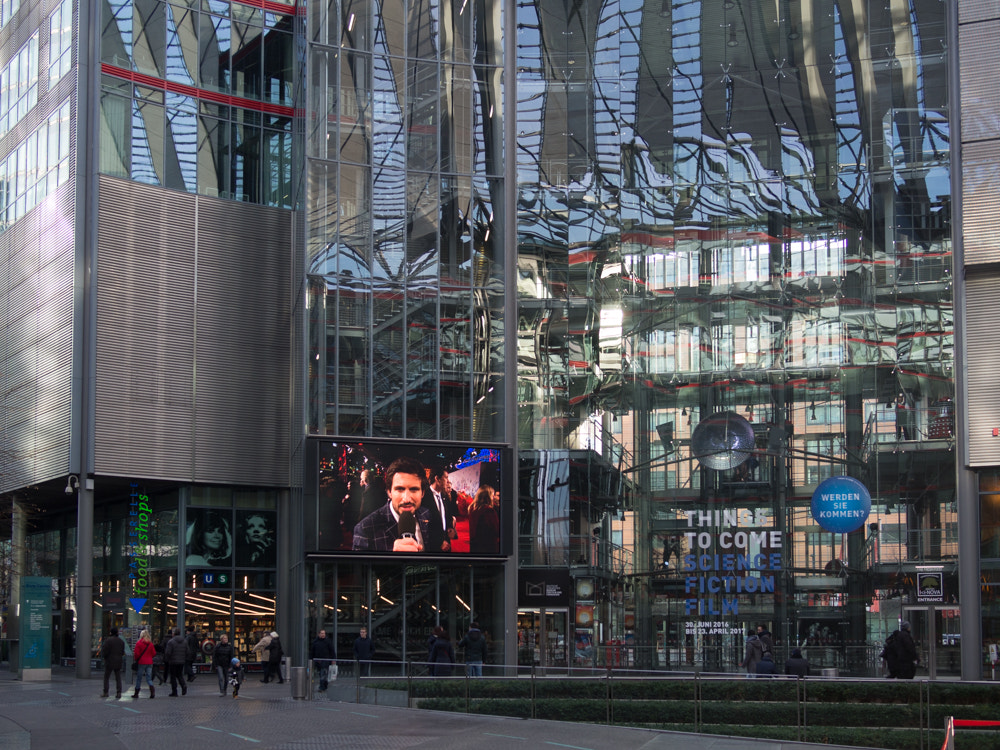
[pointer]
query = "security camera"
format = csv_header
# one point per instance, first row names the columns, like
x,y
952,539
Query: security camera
x,y
72,484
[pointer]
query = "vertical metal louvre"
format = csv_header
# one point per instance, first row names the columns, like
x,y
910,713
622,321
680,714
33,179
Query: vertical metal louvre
x,y
36,343
983,311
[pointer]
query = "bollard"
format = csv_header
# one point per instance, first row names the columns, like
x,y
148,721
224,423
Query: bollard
x,y
299,679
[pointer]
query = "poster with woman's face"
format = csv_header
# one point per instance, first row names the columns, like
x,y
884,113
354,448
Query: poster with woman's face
x,y
255,539
209,539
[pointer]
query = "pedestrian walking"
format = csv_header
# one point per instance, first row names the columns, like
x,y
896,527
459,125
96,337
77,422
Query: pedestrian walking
x,y
222,657
322,653
796,664
142,656
442,657
113,654
192,651
752,655
475,646
364,652
175,656
263,654
235,675
271,653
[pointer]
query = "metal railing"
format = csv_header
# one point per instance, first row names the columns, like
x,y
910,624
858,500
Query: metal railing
x,y
573,550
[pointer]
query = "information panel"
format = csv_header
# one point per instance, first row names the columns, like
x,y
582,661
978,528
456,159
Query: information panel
x,y
36,625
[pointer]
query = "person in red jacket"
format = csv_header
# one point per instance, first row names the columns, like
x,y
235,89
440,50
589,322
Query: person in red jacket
x,y
143,654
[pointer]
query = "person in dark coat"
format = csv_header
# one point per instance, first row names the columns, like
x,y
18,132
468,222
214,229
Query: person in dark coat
x,y
322,653
175,656
475,650
754,651
484,522
113,654
900,653
442,656
439,502
766,666
796,664
274,654
430,647
364,652
221,658
191,654
160,670
766,640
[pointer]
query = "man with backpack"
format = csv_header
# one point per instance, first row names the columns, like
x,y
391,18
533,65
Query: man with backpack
x,y
766,641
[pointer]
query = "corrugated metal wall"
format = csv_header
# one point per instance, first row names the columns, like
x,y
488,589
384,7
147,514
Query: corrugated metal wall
x,y
36,343
979,26
980,132
193,337
983,312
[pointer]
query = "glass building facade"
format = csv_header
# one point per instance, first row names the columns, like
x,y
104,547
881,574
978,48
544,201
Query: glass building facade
x,y
742,208
606,236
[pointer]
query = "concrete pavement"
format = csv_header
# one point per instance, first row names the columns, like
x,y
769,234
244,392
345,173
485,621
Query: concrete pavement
x,y
67,712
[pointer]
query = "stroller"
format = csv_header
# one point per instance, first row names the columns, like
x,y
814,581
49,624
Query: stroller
x,y
159,671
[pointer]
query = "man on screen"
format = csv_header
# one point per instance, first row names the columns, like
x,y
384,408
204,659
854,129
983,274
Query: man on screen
x,y
442,507
401,525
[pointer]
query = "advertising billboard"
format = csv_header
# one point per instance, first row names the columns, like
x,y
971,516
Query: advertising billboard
x,y
411,497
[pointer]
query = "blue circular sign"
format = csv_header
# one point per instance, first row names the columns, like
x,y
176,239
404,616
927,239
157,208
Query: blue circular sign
x,y
841,504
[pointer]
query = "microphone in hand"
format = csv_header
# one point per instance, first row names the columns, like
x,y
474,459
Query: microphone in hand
x,y
407,525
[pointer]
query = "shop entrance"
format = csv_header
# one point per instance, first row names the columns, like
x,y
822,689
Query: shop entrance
x,y
936,630
542,637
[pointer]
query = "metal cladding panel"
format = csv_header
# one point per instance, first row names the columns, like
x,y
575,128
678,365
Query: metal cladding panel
x,y
244,343
980,176
145,332
980,94
36,343
193,337
982,312
970,11
297,395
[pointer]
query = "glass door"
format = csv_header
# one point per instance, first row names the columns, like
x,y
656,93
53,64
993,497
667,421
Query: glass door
x,y
542,638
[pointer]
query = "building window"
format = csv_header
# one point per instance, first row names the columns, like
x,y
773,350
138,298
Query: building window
x,y
19,85
35,167
60,41
157,138
8,9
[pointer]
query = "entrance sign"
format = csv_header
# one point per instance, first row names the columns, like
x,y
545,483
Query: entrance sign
x,y
841,504
930,587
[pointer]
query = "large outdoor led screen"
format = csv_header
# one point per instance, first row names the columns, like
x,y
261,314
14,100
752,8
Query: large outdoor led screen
x,y
437,499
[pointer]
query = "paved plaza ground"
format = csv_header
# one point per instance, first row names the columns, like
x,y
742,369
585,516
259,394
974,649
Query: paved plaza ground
x,y
67,712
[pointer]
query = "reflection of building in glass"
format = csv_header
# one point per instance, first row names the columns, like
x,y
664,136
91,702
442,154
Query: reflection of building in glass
x,y
582,245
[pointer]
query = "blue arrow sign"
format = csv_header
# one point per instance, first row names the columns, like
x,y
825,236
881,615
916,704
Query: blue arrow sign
x,y
137,605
